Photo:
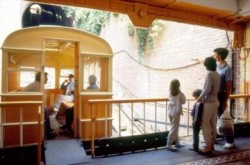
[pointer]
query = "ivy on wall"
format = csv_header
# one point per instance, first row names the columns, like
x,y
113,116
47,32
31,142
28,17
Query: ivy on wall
x,y
87,19
145,37
142,36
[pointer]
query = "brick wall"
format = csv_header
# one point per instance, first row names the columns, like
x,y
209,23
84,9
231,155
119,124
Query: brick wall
x,y
174,55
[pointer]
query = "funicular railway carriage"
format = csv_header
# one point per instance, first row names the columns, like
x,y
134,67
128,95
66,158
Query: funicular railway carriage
x,y
59,51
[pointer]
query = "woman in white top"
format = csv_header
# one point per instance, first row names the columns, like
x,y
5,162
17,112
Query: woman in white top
x,y
176,100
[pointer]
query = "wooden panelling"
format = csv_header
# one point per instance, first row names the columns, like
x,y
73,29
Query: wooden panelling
x,y
30,134
20,121
11,135
99,112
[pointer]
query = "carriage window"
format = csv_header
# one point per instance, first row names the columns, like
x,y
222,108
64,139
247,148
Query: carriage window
x,y
26,77
22,68
95,73
64,75
51,78
18,81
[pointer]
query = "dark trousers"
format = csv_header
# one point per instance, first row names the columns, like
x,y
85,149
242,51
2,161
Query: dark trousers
x,y
196,132
221,97
230,136
47,128
69,113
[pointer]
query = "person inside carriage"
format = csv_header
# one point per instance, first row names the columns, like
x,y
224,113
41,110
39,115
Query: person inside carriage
x,y
36,87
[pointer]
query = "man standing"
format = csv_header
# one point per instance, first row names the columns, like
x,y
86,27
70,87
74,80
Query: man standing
x,y
69,112
225,71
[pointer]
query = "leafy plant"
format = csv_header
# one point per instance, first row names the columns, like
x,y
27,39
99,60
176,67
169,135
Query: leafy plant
x,y
146,36
87,19
142,36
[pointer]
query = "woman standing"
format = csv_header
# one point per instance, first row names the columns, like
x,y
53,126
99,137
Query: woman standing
x,y
176,99
211,103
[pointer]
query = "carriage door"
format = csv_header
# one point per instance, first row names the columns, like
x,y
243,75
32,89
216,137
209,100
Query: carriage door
x,y
60,62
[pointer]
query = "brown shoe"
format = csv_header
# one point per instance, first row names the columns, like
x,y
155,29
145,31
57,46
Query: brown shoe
x,y
207,150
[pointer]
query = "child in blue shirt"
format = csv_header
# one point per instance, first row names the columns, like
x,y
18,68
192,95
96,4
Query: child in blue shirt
x,y
197,117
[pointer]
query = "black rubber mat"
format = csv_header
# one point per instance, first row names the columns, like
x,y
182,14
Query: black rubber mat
x,y
65,152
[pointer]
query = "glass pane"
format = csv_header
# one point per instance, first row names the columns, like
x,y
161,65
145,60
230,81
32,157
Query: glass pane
x,y
26,77
95,73
24,81
51,78
66,72
21,59
64,77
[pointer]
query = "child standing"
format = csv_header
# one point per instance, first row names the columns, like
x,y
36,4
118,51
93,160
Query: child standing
x,y
197,116
176,99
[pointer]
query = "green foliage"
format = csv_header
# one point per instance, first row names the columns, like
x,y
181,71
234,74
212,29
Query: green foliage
x,y
116,15
145,37
88,20
142,35
131,30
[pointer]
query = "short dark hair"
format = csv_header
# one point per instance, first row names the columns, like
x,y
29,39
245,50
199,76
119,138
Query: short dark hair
x,y
197,92
210,64
38,76
222,52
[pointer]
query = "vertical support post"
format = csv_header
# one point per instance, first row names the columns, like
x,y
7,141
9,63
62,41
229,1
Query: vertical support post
x,y
39,148
119,111
1,128
246,108
155,116
144,117
188,117
132,117
92,131
21,126
106,120
166,117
